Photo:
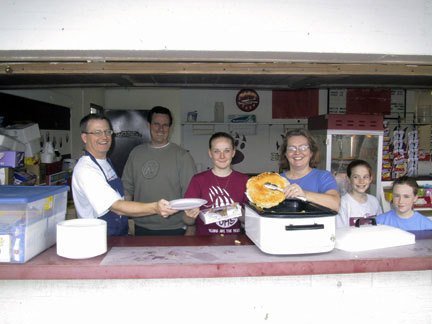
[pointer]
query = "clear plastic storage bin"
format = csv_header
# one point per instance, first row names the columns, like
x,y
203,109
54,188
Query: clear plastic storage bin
x,y
28,219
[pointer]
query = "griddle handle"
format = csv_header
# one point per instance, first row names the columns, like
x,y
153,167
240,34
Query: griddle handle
x,y
304,227
372,220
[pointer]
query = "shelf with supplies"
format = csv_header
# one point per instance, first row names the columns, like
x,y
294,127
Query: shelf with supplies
x,y
208,128
386,206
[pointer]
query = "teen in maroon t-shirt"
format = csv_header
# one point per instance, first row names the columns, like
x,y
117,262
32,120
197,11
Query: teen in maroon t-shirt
x,y
220,186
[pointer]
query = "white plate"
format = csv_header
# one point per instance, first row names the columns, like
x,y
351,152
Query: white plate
x,y
187,203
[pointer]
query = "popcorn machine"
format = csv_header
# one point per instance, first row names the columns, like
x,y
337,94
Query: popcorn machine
x,y
344,138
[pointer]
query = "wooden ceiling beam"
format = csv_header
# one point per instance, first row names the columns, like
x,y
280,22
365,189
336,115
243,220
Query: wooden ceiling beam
x,y
223,68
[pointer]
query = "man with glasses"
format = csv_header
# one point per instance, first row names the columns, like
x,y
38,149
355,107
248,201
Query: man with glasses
x,y
158,169
96,188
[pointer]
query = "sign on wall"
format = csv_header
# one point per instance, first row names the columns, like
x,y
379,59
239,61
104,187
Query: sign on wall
x,y
368,101
288,104
389,102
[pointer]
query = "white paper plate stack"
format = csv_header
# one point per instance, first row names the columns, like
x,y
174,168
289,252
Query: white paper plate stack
x,y
81,238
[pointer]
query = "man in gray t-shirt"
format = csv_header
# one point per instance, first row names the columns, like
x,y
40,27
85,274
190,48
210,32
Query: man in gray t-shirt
x,y
158,169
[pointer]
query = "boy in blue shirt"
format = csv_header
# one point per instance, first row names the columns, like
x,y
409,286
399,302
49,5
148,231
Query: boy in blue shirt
x,y
405,191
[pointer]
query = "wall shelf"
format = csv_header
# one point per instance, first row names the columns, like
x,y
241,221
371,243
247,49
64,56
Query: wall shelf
x,y
208,128
298,122
243,128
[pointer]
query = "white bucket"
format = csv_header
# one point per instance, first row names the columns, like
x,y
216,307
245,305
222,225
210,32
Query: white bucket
x,y
47,157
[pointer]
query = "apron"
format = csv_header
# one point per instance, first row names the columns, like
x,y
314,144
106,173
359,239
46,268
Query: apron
x,y
116,225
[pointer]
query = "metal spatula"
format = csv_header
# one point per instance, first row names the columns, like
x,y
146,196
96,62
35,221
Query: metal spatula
x,y
274,187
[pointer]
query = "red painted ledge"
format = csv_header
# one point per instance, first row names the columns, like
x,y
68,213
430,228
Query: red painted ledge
x,y
48,265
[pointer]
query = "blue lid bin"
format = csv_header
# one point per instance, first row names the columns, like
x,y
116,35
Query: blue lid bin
x,y
28,219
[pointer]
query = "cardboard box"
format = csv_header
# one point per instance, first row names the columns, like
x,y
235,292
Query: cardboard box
x,y
242,118
51,168
43,171
23,178
25,133
11,159
6,176
8,143
60,178
36,170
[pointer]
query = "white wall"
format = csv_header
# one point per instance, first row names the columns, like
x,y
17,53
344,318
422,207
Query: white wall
x,y
367,26
259,150
358,298
258,144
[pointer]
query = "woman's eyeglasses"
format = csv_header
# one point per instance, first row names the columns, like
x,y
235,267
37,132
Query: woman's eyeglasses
x,y
301,148
99,133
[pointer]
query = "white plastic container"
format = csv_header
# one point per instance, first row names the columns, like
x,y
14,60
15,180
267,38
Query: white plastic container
x,y
424,114
28,219
219,112
371,237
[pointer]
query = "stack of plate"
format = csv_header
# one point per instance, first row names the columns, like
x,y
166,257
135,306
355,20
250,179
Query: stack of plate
x,y
81,238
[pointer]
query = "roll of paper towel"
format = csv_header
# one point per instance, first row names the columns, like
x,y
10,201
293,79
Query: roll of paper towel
x,y
81,238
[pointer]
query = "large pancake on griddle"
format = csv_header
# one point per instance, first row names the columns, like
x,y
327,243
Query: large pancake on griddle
x,y
263,197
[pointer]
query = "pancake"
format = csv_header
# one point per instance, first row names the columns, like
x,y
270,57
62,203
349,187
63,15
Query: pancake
x,y
263,197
